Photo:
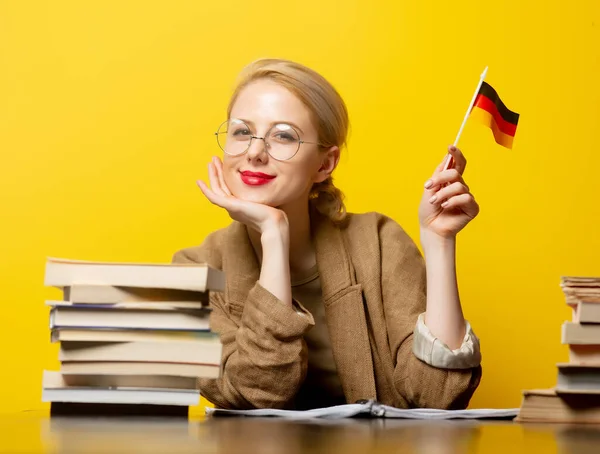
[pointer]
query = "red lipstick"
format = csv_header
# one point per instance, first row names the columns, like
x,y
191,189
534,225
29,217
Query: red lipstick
x,y
256,178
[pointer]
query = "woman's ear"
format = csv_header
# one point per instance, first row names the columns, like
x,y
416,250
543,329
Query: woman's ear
x,y
329,161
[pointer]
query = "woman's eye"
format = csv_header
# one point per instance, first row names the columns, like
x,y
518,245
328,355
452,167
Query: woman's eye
x,y
241,132
284,137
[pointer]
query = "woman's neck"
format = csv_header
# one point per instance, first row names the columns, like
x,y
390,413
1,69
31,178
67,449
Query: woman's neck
x,y
302,252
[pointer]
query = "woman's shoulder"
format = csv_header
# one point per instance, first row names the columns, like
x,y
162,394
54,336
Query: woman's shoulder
x,y
374,225
376,237
210,251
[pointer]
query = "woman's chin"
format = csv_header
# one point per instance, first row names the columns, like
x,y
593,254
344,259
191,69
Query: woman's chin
x,y
263,199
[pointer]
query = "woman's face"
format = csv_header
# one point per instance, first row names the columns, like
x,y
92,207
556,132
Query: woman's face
x,y
257,177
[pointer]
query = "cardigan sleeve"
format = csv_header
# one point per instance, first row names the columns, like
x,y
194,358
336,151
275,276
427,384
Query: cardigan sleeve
x,y
436,353
403,286
264,358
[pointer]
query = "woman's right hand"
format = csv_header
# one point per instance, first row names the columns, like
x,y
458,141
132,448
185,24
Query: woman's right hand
x,y
256,216
271,223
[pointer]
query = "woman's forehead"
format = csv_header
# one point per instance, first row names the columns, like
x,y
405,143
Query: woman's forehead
x,y
265,102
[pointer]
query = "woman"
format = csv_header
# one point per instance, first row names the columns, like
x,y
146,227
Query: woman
x,y
323,307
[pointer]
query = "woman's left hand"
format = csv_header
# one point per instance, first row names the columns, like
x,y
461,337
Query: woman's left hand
x,y
447,205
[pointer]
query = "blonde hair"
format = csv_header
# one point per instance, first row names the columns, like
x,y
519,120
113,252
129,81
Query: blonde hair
x,y
328,111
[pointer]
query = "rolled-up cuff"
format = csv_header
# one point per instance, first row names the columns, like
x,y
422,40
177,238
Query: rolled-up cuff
x,y
436,353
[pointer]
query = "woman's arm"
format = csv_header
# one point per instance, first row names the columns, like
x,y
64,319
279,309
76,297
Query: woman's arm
x,y
437,362
444,315
275,266
446,208
268,222
264,355
403,284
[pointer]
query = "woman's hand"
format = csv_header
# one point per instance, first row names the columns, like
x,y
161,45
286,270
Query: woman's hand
x,y
255,215
447,205
271,224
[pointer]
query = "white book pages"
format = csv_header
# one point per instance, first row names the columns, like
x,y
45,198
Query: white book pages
x,y
372,409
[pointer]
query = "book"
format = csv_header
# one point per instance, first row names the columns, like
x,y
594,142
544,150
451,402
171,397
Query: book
x,y
577,333
130,381
577,378
123,335
134,337
576,283
54,389
148,396
199,352
139,305
83,318
576,396
370,408
580,288
584,354
85,409
584,312
109,294
545,405
139,368
178,276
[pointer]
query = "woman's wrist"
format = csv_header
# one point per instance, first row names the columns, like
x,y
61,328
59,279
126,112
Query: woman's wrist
x,y
275,270
433,243
275,233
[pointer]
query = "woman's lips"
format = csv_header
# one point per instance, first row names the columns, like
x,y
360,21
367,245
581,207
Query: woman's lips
x,y
256,178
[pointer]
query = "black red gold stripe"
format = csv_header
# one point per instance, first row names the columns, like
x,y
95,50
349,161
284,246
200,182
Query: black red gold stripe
x,y
491,111
488,91
485,117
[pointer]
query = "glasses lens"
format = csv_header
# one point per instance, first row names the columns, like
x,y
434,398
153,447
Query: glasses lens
x,y
234,137
283,142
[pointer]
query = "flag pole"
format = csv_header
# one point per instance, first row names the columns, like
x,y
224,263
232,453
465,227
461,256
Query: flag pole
x,y
449,160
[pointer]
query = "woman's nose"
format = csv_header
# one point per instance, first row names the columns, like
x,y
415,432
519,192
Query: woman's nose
x,y
258,148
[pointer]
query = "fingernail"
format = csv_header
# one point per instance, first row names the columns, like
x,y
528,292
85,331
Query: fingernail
x,y
428,184
444,204
433,199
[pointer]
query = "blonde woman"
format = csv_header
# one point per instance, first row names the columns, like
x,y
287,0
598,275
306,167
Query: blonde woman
x,y
321,306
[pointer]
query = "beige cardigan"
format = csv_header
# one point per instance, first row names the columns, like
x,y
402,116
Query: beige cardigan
x,y
373,284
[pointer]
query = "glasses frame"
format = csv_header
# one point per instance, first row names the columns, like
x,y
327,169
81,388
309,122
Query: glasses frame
x,y
267,145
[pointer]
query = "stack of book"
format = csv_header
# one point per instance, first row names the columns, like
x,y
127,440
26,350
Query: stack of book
x,y
133,337
576,396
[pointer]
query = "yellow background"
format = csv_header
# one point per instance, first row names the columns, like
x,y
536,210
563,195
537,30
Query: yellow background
x,y
107,114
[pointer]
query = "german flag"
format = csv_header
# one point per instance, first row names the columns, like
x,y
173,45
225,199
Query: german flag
x,y
491,111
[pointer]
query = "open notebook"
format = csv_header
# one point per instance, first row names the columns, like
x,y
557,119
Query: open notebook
x,y
373,409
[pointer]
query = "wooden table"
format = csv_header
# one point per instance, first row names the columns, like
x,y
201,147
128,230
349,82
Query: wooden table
x,y
35,432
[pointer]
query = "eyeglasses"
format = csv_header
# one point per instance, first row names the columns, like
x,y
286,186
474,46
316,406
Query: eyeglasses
x,y
282,141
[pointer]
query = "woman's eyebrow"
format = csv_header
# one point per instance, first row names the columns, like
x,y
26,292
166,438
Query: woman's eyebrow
x,y
294,125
